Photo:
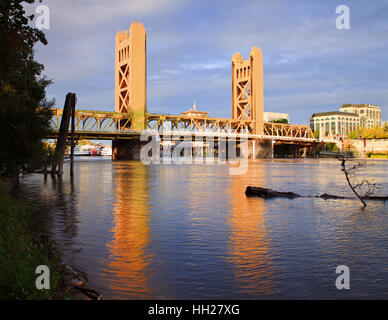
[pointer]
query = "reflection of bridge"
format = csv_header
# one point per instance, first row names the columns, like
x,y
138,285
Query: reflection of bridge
x,y
131,116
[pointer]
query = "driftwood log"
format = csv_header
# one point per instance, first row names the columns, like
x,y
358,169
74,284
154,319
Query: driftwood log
x,y
266,193
331,196
269,193
78,281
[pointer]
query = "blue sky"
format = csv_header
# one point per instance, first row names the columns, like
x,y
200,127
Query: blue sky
x,y
309,65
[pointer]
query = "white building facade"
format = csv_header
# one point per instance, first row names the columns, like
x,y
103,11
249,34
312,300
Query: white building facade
x,y
335,123
350,117
370,115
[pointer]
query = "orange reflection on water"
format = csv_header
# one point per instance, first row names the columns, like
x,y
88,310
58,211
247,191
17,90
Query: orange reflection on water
x,y
249,243
128,257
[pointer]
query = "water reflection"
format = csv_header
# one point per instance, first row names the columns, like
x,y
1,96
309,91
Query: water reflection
x,y
205,239
249,243
128,259
66,199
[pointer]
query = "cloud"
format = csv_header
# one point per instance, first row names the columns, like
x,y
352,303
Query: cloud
x,y
72,16
309,65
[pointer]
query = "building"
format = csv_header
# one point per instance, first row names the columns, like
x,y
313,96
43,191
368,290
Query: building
x,y
271,116
348,119
370,115
193,112
334,123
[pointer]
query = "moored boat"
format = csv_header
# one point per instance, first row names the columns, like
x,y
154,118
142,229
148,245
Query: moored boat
x,y
106,151
80,151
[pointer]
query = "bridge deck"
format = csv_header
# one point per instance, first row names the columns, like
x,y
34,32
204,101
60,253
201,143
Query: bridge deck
x,y
100,125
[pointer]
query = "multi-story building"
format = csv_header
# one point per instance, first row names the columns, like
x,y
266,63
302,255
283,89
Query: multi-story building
x,y
370,115
334,123
348,119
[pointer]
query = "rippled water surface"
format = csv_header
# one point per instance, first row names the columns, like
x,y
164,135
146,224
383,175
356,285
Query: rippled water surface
x,y
189,231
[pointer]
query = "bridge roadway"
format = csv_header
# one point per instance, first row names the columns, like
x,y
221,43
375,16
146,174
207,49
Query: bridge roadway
x,y
101,125
175,135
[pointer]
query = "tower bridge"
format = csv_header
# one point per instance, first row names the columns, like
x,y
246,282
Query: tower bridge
x,y
130,118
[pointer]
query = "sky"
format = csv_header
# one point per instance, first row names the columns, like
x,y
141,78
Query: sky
x,y
309,65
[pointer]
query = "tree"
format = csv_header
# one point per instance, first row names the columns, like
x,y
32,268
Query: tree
x,y
353,135
370,133
280,121
22,91
361,187
348,146
84,142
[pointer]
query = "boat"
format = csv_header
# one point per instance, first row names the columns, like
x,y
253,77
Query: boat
x,y
80,151
94,152
106,151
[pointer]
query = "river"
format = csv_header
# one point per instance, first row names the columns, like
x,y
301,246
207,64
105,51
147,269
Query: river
x,y
189,232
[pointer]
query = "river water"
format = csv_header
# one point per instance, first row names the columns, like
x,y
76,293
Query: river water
x,y
189,232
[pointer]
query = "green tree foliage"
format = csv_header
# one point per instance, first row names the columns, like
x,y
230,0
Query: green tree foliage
x,y
84,142
353,135
280,121
22,91
370,133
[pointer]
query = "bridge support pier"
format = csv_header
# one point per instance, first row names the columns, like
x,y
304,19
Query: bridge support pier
x,y
261,148
127,149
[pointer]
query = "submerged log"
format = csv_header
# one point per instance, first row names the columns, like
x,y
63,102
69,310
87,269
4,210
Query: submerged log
x,y
331,196
269,193
266,193
381,198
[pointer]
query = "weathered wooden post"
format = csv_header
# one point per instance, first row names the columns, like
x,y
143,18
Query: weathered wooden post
x,y
73,103
62,134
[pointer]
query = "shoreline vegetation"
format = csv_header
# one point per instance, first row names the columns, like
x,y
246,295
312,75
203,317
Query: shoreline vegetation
x,y
378,155
23,248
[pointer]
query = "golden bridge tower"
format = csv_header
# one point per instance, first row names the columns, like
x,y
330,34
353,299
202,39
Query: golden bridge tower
x,y
130,74
247,89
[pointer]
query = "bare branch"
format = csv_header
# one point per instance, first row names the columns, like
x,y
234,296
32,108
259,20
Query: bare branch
x,y
363,188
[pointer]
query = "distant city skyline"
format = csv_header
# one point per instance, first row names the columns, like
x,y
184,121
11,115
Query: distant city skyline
x,y
309,65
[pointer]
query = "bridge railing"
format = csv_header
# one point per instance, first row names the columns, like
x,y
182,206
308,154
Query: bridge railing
x,y
116,122
94,121
172,123
287,130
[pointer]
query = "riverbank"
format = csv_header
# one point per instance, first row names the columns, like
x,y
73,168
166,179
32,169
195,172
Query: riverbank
x,y
22,249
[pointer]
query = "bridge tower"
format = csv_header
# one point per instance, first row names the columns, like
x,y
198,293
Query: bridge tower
x,y
247,89
130,74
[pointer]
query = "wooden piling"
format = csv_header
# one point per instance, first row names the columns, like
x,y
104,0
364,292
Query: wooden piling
x,y
73,103
63,133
